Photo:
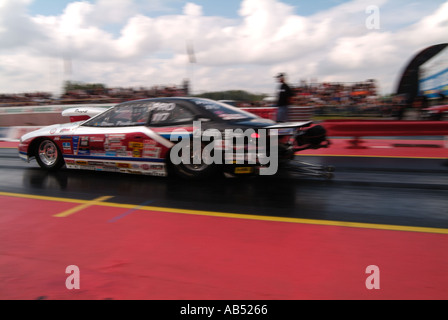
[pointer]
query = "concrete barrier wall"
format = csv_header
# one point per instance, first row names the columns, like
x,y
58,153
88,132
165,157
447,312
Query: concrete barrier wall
x,y
40,115
48,115
14,133
16,121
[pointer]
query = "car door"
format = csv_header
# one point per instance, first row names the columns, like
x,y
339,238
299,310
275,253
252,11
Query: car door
x,y
103,142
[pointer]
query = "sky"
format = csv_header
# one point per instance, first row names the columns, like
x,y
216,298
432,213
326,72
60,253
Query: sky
x,y
237,44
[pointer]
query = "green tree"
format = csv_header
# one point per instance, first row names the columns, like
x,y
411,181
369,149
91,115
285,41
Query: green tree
x,y
88,87
237,95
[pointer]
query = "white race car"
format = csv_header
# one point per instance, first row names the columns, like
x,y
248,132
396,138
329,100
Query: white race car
x,y
156,137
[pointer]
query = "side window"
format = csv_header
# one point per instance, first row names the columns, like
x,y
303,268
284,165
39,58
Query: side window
x,y
164,114
123,116
140,114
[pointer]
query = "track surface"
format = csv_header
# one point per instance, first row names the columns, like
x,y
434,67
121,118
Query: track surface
x,y
282,237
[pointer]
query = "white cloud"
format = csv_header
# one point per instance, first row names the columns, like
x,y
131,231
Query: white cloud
x,y
243,53
192,9
16,29
113,11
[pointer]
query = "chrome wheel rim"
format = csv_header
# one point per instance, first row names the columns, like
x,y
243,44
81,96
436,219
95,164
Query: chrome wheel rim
x,y
195,157
196,167
48,153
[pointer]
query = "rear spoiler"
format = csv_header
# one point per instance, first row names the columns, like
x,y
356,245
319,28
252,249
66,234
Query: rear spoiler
x,y
314,137
288,125
287,128
82,113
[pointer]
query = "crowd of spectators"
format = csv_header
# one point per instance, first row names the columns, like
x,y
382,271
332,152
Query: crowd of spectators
x,y
359,98
25,99
117,95
105,95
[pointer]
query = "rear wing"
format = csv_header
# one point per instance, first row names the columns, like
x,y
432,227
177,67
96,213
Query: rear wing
x,y
287,125
305,135
82,113
289,128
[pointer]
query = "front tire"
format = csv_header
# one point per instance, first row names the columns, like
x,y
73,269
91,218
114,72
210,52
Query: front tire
x,y
48,155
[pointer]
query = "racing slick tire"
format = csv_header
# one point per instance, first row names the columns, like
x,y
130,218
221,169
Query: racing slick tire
x,y
48,155
193,171
196,172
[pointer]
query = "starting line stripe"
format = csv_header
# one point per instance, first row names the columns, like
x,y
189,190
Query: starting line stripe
x,y
71,211
100,202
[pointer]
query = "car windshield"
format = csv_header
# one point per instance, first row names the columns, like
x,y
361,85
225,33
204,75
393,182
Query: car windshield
x,y
121,116
224,111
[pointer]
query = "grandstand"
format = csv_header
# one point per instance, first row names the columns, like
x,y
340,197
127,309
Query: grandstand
x,y
326,99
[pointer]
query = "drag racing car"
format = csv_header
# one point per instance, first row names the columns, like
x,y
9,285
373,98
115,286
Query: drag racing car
x,y
188,137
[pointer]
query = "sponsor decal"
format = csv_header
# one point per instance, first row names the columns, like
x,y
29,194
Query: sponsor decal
x,y
96,139
65,130
67,147
133,171
150,169
123,153
97,153
151,152
75,141
114,142
162,106
114,146
149,143
84,142
115,137
137,153
83,152
95,163
135,145
243,170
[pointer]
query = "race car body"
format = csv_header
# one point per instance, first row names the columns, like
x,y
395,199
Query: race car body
x,y
190,137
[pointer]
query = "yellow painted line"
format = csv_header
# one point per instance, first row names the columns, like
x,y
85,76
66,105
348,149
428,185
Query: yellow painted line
x,y
81,207
45,198
99,202
295,220
367,156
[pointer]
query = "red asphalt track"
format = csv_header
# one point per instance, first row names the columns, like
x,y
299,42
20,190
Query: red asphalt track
x,y
390,148
126,252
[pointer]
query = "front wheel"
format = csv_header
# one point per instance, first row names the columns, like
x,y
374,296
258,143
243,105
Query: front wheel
x,y
48,155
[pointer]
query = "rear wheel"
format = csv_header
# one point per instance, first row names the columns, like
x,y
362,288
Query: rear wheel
x,y
196,171
195,168
48,155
